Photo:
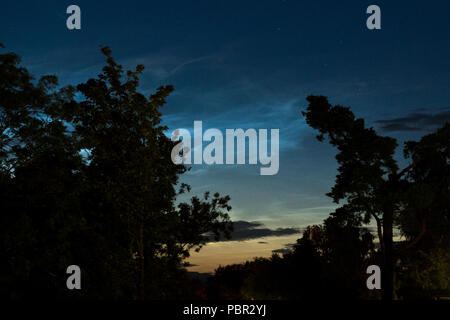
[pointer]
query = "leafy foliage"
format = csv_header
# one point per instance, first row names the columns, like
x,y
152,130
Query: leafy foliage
x,y
89,181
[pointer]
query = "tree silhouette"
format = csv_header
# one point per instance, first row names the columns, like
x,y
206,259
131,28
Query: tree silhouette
x,y
90,181
372,185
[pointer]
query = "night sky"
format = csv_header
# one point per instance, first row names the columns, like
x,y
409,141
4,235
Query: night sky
x,y
251,64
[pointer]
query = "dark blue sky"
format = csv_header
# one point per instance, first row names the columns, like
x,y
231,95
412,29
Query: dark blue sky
x,y
251,64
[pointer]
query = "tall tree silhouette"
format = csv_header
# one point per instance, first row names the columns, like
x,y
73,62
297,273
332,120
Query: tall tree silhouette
x,y
369,179
90,181
366,160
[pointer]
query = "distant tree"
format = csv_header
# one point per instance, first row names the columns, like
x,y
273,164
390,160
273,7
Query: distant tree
x,y
228,281
282,277
328,262
346,249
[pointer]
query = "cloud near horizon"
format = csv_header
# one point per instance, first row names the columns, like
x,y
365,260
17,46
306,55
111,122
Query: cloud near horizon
x,y
245,230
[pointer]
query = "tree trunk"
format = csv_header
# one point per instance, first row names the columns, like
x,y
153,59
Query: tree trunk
x,y
141,257
387,273
380,233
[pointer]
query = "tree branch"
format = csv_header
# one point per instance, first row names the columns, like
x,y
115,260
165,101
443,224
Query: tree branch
x,y
423,231
412,165
380,231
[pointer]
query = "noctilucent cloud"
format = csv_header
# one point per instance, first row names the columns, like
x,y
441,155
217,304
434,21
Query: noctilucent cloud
x,y
251,64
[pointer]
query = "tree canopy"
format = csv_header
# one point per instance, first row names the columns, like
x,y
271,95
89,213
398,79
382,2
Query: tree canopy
x,y
86,178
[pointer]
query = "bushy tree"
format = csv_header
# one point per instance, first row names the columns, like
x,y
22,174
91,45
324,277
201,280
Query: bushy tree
x,y
90,181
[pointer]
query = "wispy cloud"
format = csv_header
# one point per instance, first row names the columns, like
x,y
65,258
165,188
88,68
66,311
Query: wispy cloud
x,y
418,121
244,230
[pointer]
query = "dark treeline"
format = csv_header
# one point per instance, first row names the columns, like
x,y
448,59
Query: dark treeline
x,y
328,262
86,178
